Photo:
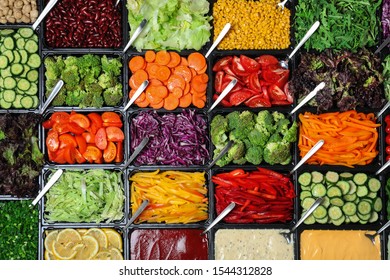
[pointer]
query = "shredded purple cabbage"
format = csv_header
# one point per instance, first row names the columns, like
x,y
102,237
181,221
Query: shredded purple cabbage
x,y
174,139
386,18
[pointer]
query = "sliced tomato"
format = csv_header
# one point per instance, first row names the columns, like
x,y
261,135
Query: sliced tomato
x,y
266,60
109,153
99,161
60,157
114,134
80,119
221,63
119,152
81,143
52,141
67,140
274,74
218,81
237,67
96,119
78,156
48,124
92,153
238,97
265,94
223,102
280,102
93,128
275,93
111,117
116,124
101,138
228,70
287,91
254,82
51,155
60,117
249,64
69,154
61,128
257,101
74,128
89,137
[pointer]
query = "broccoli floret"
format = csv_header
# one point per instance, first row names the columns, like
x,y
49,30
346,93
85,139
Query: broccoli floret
x,y
92,100
106,80
254,155
258,138
89,78
70,76
50,84
240,161
111,66
94,88
282,126
291,134
113,95
218,129
237,151
224,160
89,65
265,123
70,61
244,126
275,138
233,119
277,116
277,153
59,100
60,63
52,72
75,97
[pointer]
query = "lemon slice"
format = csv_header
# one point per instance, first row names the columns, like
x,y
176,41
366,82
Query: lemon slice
x,y
103,255
114,239
68,235
49,256
99,235
63,252
82,231
116,254
88,249
51,237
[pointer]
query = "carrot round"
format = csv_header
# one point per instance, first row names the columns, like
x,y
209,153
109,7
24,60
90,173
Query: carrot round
x,y
171,102
159,91
175,59
183,71
140,98
152,97
198,102
176,81
150,56
184,61
155,82
203,70
177,92
158,105
152,69
142,104
187,88
196,61
138,78
163,73
185,100
163,57
199,82
136,63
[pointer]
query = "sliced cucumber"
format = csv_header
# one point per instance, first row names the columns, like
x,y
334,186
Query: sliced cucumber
x,y
9,43
16,104
362,191
317,177
20,43
10,55
318,190
335,212
4,104
27,102
304,179
32,75
17,69
23,84
364,207
377,204
26,32
34,61
9,83
334,192
9,95
374,184
17,57
320,212
337,201
339,221
23,56
307,202
304,194
360,178
6,32
31,46
344,186
3,62
332,177
346,176
33,90
35,101
349,208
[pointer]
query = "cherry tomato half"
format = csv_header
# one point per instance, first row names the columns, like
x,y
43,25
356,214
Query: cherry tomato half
x,y
388,150
109,153
388,140
101,138
114,134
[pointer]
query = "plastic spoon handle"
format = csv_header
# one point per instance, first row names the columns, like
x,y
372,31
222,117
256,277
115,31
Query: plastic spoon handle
x,y
140,209
312,151
383,109
219,38
136,152
45,11
308,97
227,89
135,35
308,212
385,226
224,151
312,29
141,88
117,2
49,184
52,95
220,216
383,167
384,44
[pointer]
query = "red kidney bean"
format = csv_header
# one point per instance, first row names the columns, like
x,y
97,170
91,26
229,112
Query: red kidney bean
x,y
80,23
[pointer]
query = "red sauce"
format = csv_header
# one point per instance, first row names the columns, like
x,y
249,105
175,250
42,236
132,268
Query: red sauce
x,y
168,244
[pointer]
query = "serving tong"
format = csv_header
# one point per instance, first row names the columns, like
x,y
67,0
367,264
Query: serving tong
x,y
281,4
372,236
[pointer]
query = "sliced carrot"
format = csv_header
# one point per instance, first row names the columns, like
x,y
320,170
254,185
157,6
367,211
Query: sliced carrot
x,y
193,72
150,56
203,70
163,73
185,100
196,61
184,61
142,104
194,92
138,78
155,82
152,98
171,102
198,82
159,91
163,57
140,98
183,71
175,60
136,63
198,101
176,81
177,92
152,69
187,88
158,105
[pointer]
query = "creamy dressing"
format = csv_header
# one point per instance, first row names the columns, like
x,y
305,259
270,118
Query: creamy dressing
x,y
338,245
252,244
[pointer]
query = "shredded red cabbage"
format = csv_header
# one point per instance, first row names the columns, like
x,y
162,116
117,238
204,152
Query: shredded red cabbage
x,y
175,139
386,18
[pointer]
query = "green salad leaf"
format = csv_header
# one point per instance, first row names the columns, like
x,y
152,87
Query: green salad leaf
x,y
94,195
386,76
172,24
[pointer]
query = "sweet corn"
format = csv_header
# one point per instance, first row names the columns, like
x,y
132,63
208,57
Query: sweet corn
x,y
255,24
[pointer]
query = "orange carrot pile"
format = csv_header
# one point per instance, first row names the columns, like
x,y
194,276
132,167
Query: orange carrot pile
x,y
350,137
174,81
